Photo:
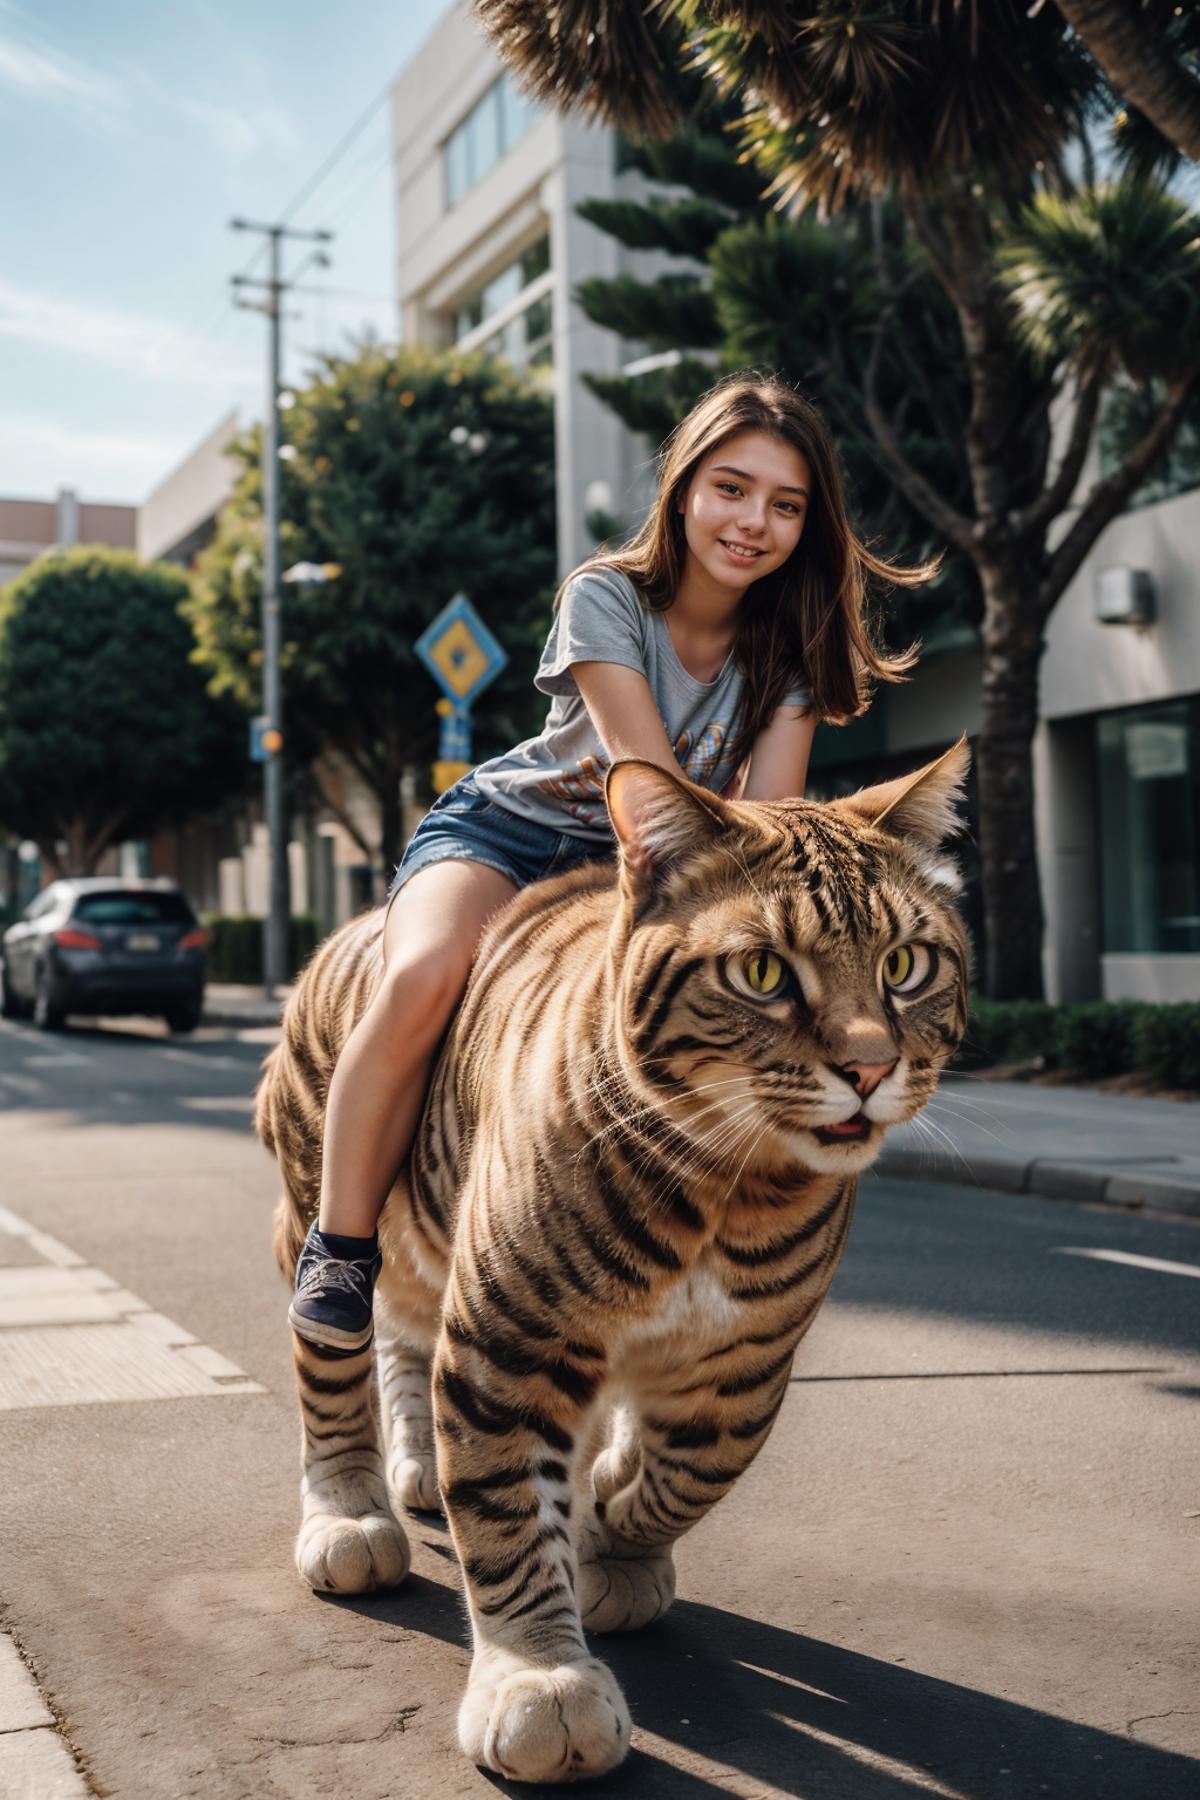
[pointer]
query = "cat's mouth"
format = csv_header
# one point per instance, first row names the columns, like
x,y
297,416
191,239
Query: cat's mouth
x,y
848,1131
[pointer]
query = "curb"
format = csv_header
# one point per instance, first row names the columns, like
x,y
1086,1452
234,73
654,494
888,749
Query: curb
x,y
1046,1177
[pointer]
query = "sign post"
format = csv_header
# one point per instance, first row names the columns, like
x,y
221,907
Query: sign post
x,y
463,657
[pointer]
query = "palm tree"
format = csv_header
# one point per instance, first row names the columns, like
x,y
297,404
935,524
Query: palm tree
x,y
971,120
1150,52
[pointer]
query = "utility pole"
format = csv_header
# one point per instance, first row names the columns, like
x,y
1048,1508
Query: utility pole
x,y
275,935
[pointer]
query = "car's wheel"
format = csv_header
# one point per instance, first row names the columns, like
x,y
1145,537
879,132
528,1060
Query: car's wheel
x,y
47,1014
185,1016
10,1006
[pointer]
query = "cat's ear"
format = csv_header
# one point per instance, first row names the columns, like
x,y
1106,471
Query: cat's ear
x,y
658,817
923,806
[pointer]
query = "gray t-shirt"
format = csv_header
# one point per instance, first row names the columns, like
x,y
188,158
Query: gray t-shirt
x,y
557,778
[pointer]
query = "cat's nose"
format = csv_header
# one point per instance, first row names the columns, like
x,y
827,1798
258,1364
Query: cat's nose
x,y
864,1078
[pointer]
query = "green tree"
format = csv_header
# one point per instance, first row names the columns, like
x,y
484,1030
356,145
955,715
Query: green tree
x,y
799,297
418,474
107,731
974,122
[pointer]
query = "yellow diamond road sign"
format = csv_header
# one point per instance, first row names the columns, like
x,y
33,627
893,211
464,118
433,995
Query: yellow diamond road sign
x,y
460,652
461,659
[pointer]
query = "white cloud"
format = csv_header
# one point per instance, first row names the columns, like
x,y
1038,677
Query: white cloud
x,y
234,131
38,456
39,71
135,342
49,75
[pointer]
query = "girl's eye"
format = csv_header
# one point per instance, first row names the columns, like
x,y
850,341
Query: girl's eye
x,y
908,967
764,973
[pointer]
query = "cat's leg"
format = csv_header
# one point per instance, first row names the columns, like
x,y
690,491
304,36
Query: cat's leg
x,y
538,1706
349,1540
663,1469
406,1412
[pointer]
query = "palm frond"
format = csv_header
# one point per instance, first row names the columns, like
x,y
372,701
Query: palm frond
x,y
608,60
1108,277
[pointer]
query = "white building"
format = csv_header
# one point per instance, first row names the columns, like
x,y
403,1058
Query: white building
x,y
489,248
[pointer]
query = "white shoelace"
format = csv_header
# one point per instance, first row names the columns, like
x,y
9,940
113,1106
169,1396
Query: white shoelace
x,y
331,1274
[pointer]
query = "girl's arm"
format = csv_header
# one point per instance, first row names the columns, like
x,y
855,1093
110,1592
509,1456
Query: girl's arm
x,y
628,722
779,759
622,709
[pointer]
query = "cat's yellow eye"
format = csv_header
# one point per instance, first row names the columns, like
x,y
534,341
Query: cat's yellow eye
x,y
907,968
764,972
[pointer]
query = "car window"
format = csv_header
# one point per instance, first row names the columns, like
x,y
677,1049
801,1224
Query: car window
x,y
118,908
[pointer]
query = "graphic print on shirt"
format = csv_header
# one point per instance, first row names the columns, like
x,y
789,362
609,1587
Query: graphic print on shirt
x,y
578,790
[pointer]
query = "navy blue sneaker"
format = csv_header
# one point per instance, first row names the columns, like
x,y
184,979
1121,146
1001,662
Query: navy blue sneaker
x,y
332,1303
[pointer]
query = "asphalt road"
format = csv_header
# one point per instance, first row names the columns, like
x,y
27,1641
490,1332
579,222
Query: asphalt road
x,y
964,1565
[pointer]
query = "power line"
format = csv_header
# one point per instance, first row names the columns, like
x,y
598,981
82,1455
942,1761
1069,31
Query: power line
x,y
310,187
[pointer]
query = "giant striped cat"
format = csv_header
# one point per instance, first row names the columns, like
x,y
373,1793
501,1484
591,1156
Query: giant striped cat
x,y
627,1198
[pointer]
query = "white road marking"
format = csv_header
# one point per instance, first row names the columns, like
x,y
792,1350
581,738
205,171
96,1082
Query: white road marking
x,y
70,1336
28,1085
1134,1262
59,1059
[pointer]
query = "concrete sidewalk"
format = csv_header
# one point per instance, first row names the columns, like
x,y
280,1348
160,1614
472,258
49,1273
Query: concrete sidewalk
x,y
1063,1143
232,1003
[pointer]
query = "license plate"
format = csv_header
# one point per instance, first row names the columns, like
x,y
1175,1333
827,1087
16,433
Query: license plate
x,y
143,940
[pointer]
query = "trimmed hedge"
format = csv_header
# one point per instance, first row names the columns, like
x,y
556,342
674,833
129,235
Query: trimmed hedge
x,y
235,950
1103,1037
1099,1038
1168,1044
1007,1031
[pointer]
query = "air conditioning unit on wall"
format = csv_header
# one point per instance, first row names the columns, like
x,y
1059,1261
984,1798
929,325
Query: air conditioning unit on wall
x,y
1124,596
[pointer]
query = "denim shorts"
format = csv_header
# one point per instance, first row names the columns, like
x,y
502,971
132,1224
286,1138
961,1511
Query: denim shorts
x,y
463,825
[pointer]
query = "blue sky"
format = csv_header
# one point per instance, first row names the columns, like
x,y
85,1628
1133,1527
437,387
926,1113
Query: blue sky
x,y
131,131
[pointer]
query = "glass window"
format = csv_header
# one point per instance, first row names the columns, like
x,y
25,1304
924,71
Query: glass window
x,y
535,261
1149,799
491,127
125,908
458,174
529,343
501,289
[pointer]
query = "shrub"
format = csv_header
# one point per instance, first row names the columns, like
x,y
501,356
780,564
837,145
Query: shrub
x,y
1099,1038
1168,1043
235,951
1004,1031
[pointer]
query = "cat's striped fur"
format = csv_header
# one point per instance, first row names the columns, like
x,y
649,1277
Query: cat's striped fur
x,y
624,1207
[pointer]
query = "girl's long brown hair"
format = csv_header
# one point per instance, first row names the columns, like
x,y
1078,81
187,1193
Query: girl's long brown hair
x,y
806,621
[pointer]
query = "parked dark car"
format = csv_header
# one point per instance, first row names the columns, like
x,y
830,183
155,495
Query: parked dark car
x,y
104,945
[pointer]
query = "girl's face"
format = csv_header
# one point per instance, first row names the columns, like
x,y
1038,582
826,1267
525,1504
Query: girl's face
x,y
745,508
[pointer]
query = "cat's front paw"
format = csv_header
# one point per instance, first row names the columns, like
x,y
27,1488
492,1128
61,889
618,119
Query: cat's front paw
x,y
340,1554
621,1586
532,1724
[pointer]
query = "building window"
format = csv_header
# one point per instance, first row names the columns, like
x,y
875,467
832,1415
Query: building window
x,y
1149,798
493,125
525,339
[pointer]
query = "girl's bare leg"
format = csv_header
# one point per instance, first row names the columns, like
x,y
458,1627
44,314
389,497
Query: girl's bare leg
x,y
378,1087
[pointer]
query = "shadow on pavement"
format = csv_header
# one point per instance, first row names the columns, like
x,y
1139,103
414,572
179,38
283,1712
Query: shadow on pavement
x,y
797,1716
139,1075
